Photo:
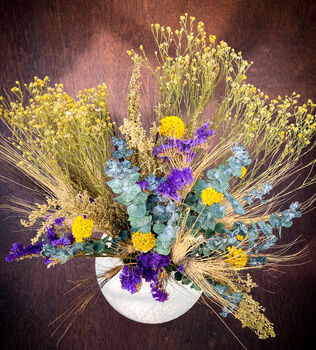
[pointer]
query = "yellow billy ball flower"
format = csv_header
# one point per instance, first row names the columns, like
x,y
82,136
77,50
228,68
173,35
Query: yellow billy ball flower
x,y
236,257
143,241
82,228
210,196
243,172
172,127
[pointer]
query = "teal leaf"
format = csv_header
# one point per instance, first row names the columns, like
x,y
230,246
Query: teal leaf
x,y
140,198
98,246
206,250
196,287
162,251
237,207
115,185
275,221
139,222
178,276
159,228
265,228
219,177
145,228
241,154
133,189
235,166
220,228
125,198
136,211
199,186
209,233
253,234
217,211
185,280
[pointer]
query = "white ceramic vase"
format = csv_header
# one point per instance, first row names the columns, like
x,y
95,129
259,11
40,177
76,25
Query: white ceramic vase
x,y
141,306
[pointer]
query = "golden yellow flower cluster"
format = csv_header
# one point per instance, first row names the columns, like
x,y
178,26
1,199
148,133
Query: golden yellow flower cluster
x,y
54,127
143,241
172,127
82,228
236,257
243,172
250,314
210,196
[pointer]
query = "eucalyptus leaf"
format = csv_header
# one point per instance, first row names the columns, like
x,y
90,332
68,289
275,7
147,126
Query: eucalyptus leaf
x,y
185,280
98,246
199,186
136,211
237,207
115,185
217,211
220,228
159,228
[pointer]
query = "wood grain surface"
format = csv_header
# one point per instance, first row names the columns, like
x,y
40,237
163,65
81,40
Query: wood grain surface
x,y
83,43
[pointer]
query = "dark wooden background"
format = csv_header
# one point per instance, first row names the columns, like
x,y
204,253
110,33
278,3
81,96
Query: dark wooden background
x,y
83,43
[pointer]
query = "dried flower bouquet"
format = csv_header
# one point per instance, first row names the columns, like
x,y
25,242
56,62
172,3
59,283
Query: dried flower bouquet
x,y
192,200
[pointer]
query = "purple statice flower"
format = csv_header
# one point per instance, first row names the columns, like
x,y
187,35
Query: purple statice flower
x,y
148,267
71,238
61,241
151,265
59,221
130,278
202,134
47,261
51,235
142,184
18,250
185,146
158,261
175,182
159,294
180,268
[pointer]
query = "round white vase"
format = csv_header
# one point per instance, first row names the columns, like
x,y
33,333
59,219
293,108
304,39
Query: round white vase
x,y
141,306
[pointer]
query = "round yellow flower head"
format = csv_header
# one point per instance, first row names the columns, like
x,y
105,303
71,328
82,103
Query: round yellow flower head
x,y
243,172
210,196
236,257
82,228
143,241
172,127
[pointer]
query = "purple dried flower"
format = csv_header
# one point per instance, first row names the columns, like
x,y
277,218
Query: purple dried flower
x,y
130,278
202,134
148,267
47,261
51,236
175,182
142,184
180,268
151,264
18,250
61,241
159,295
185,146
71,238
60,221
